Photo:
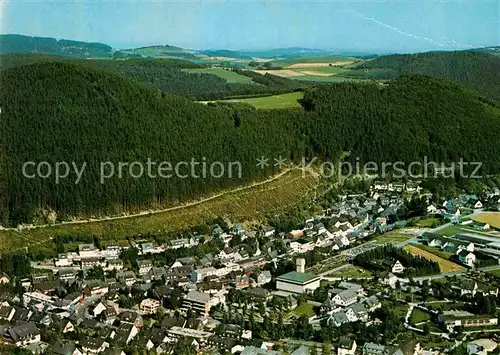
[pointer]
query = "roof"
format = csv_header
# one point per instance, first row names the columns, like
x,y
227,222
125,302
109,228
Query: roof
x,y
340,317
345,343
23,330
63,349
297,277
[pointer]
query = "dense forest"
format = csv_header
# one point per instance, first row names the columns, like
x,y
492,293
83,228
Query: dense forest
x,y
63,112
167,75
404,120
382,258
474,69
76,113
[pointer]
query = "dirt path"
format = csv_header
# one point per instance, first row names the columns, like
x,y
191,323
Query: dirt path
x,y
144,213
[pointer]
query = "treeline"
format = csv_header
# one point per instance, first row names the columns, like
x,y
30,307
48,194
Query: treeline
x,y
379,258
404,120
477,70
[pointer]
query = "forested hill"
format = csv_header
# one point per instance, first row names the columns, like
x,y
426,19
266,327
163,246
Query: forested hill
x,y
405,120
14,43
65,112
477,70
168,76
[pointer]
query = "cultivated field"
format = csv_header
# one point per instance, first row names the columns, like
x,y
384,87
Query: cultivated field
x,y
492,218
444,265
273,102
280,72
252,203
228,75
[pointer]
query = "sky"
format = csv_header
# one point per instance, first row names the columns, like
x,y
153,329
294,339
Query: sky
x,y
349,25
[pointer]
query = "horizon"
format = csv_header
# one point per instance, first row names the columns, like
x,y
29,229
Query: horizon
x,y
349,26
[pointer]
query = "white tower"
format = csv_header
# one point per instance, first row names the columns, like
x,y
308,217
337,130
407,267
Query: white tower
x,y
301,265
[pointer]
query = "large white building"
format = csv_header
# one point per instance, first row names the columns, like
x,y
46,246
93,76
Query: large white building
x,y
297,282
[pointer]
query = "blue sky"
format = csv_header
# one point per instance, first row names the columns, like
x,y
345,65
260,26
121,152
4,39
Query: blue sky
x,y
381,26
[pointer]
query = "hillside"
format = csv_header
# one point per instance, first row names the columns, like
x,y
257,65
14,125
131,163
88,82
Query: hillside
x,y
169,76
13,43
62,112
404,120
474,69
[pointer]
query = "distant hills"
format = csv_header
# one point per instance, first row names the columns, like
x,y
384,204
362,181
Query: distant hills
x,y
13,43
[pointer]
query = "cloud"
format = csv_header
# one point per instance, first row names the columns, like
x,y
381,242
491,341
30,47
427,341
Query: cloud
x,y
440,43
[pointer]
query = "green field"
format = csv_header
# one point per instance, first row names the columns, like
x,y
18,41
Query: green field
x,y
436,251
228,75
418,316
430,222
291,61
272,102
494,272
251,203
305,309
395,236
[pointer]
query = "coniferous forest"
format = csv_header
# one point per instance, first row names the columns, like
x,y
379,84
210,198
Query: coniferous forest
x,y
66,111
474,69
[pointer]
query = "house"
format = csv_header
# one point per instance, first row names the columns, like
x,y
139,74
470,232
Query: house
x,y
345,298
65,326
466,258
88,251
67,274
346,346
144,266
481,346
4,279
93,345
264,277
125,333
88,263
397,268
468,287
465,319
114,264
197,301
389,279
7,313
375,349
99,308
95,287
149,305
242,281
199,275
338,318
24,334
357,312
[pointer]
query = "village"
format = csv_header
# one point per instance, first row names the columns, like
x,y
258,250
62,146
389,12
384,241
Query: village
x,y
357,278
